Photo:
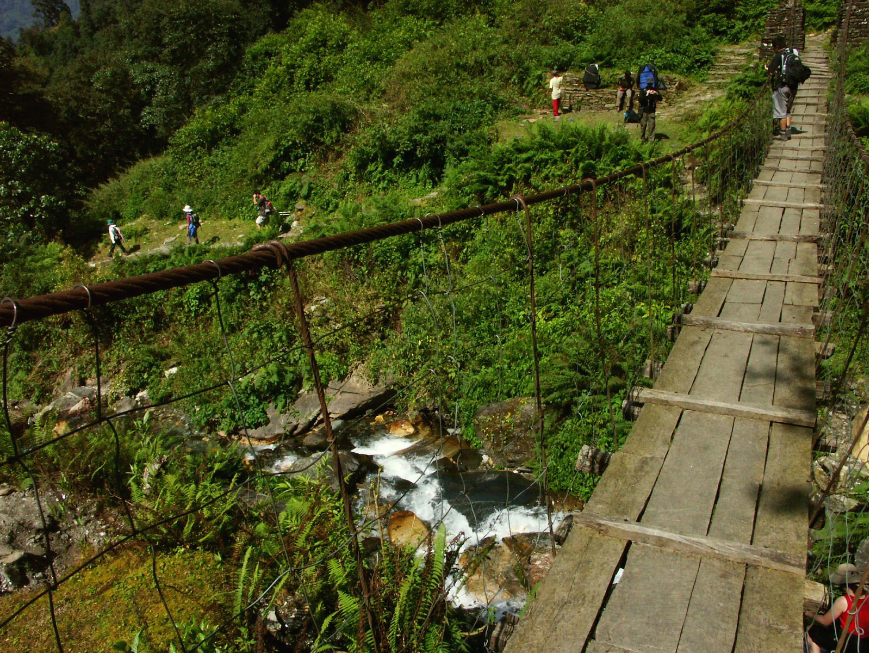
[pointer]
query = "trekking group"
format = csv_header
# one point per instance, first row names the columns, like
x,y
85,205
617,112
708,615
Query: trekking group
x,y
648,83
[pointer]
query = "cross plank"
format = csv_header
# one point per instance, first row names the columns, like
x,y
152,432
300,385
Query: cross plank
x,y
759,276
687,402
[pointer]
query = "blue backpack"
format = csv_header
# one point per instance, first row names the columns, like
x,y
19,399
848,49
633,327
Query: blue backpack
x,y
647,77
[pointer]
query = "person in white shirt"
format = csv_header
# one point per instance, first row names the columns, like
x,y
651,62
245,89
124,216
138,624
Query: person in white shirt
x,y
555,85
116,238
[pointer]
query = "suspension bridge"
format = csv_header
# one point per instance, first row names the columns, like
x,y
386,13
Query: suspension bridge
x,y
703,513
695,538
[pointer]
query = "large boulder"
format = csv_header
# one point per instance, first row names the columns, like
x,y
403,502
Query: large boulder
x,y
490,573
533,551
508,431
407,530
346,399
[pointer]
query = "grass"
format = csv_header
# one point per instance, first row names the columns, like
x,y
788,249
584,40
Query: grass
x,y
112,600
148,233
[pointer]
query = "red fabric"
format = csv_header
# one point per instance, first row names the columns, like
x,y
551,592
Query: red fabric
x,y
555,104
860,623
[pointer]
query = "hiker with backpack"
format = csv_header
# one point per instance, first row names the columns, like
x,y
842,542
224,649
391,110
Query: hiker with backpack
x,y
193,224
626,91
264,209
555,85
116,238
786,73
648,105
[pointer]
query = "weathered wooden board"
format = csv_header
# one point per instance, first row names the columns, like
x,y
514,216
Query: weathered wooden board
x,y
648,607
758,386
769,413
713,612
793,330
723,366
739,274
703,547
773,301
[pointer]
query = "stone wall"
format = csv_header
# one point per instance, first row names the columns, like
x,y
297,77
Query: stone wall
x,y
788,19
858,24
576,98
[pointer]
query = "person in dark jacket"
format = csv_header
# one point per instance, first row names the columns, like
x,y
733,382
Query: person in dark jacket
x,y
782,94
626,91
648,105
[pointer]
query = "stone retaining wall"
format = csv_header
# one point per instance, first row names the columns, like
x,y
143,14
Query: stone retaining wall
x,y
790,20
858,25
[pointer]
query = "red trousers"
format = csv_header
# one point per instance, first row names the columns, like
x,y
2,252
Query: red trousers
x,y
555,105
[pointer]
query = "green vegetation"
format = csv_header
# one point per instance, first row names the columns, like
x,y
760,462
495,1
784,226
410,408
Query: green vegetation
x,y
142,106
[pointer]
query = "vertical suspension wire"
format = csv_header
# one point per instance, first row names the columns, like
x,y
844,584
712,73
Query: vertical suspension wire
x,y
52,585
336,459
650,246
251,449
520,201
673,232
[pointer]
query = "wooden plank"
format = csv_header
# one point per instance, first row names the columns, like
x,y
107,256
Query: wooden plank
x,y
703,547
712,298
696,456
795,375
786,205
778,329
713,613
763,182
792,238
720,374
684,360
747,292
771,616
770,413
758,386
761,276
741,481
773,300
648,607
569,598
802,294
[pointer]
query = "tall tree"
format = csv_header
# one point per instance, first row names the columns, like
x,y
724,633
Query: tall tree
x,y
48,12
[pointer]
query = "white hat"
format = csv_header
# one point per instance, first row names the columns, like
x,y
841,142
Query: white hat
x,y
188,208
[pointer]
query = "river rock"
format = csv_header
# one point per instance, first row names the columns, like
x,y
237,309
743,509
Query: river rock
x,y
508,431
407,530
274,429
534,552
401,428
466,460
350,398
490,573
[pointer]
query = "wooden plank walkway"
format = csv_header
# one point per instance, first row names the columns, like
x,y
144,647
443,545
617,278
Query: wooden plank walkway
x,y
721,473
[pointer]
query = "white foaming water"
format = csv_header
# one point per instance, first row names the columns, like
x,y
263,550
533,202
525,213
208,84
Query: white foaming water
x,y
283,462
426,502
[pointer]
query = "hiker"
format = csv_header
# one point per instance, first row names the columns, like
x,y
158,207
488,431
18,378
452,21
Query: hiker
x,y
264,209
193,224
591,77
626,90
648,101
555,85
826,629
116,238
786,73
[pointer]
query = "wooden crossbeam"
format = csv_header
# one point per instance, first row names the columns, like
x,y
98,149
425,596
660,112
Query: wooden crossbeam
x,y
764,276
774,329
767,413
794,157
783,205
777,169
705,547
787,184
784,238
